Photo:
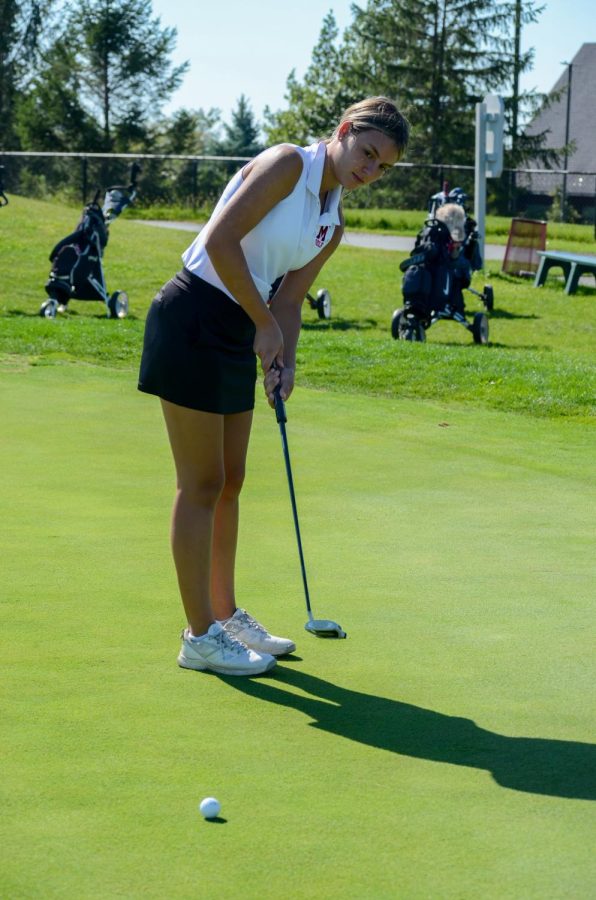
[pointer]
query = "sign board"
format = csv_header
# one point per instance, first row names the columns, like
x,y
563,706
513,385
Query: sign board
x,y
490,123
495,126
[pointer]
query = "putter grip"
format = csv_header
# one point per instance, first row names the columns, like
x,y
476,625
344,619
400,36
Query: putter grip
x,y
280,406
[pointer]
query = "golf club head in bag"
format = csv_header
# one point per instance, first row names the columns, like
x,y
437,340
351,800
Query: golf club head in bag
x,y
319,627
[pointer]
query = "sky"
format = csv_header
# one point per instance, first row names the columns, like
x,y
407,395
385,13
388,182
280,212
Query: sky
x,y
235,47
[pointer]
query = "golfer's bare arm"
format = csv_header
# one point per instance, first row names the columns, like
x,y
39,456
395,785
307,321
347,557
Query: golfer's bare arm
x,y
286,306
287,303
267,180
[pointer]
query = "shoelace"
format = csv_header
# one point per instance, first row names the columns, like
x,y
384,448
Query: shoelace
x,y
247,620
229,643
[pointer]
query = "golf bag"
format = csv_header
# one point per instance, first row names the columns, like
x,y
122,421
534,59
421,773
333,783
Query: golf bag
x,y
436,275
77,269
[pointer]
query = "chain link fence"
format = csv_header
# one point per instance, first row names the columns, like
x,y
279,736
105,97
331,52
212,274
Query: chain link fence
x,y
195,183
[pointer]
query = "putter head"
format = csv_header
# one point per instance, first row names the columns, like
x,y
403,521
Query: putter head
x,y
325,628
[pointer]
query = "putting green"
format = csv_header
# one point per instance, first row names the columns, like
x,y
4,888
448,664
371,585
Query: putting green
x,y
441,751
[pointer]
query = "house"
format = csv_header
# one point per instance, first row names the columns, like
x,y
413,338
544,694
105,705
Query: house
x,y
573,115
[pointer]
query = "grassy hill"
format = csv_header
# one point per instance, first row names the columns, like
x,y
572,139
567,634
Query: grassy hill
x,y
540,358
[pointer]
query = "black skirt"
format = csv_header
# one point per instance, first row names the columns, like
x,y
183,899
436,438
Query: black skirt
x,y
198,348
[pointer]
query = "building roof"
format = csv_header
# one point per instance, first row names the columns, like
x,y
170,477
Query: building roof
x,y
582,117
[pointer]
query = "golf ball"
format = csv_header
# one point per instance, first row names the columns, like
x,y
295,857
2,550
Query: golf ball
x,y
209,807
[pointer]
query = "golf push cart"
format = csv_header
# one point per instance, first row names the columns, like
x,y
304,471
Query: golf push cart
x,y
445,254
321,302
77,270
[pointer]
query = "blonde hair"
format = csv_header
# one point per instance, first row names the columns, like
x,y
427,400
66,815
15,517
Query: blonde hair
x,y
378,114
454,217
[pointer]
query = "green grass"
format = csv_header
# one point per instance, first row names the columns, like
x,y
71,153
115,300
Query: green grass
x,y
441,751
540,360
446,499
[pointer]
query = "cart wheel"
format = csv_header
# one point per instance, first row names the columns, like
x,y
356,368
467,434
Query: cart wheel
x,y
480,328
488,297
49,308
407,328
396,324
324,304
416,332
118,305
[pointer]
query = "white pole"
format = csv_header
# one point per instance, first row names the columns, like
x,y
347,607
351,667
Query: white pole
x,y
480,175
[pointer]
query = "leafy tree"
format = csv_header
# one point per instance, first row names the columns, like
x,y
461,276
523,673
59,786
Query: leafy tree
x,y
436,57
21,36
439,57
314,105
190,132
123,57
242,136
50,114
187,132
522,105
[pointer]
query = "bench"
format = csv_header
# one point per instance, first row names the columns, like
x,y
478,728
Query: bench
x,y
574,265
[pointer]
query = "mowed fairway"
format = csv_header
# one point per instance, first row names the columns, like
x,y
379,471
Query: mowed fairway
x,y
444,750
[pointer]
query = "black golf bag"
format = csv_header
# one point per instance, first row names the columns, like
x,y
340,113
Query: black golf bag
x,y
436,275
77,270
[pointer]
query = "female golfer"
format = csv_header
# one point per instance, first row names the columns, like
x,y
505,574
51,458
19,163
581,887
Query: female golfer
x,y
279,215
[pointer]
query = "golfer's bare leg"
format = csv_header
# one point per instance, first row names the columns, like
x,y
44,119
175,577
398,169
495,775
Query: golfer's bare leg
x,y
197,442
225,534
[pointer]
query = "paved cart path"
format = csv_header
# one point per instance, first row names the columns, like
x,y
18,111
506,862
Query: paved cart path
x,y
355,238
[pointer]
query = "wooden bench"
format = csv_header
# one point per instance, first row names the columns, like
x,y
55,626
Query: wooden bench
x,y
574,266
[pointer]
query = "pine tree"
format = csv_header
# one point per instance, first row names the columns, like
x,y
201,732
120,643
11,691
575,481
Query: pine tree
x,y
438,58
242,136
190,131
193,133
21,38
521,105
315,105
123,57
50,114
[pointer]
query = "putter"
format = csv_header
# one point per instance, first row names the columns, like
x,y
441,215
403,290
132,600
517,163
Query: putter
x,y
324,628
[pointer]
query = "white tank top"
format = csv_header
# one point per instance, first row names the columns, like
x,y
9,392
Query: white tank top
x,y
287,238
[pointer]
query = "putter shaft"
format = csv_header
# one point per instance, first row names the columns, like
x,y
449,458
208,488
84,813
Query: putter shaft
x,y
318,627
280,413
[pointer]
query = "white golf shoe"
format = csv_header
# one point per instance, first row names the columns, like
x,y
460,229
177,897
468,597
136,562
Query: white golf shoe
x,y
244,628
221,652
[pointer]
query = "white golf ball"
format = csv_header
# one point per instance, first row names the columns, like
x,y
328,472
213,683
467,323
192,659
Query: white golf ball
x,y
209,807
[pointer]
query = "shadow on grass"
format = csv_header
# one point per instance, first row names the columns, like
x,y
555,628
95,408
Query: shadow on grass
x,y
505,314
555,768
63,316
491,344
341,325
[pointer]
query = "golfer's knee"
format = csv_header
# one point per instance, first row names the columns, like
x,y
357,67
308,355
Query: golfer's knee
x,y
234,479
202,492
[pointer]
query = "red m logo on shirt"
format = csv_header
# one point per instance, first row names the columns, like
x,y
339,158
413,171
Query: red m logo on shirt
x,y
320,238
